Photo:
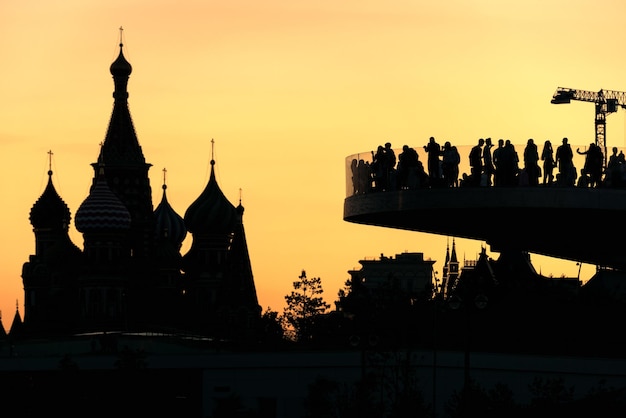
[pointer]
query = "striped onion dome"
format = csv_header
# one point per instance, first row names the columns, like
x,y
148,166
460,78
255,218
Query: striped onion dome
x,y
102,210
50,211
169,224
211,212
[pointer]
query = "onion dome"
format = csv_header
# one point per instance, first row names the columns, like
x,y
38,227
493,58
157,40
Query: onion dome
x,y
102,210
211,212
120,70
50,211
121,67
169,224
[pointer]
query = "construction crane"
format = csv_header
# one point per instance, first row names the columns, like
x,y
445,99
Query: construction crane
x,y
606,101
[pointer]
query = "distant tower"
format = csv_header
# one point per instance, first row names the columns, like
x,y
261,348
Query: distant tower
x,y
453,269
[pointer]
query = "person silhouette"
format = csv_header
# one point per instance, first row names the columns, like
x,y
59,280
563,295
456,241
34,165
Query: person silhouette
x,y
354,168
450,165
509,164
379,169
547,156
531,162
363,176
476,162
613,168
390,167
592,169
498,153
488,167
408,161
564,159
433,164
455,168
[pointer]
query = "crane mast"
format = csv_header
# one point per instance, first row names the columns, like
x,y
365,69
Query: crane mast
x,y
606,102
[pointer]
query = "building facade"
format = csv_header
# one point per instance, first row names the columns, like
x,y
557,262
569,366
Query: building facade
x,y
406,273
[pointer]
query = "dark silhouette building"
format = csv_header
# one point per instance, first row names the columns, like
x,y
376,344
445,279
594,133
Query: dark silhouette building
x,y
131,275
450,270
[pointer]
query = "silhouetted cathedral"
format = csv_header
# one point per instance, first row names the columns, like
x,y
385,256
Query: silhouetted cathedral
x,y
131,275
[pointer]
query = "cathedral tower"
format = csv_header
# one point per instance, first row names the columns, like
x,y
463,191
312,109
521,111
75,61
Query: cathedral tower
x,y
220,292
126,168
49,275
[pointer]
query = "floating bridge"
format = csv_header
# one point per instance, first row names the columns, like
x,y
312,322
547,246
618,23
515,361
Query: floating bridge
x,y
575,223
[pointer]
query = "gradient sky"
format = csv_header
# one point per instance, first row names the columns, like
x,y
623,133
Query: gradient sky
x,y
289,89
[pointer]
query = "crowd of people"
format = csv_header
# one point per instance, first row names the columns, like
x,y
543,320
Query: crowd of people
x,y
489,166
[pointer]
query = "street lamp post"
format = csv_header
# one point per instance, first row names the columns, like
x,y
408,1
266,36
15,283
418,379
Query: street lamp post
x,y
479,302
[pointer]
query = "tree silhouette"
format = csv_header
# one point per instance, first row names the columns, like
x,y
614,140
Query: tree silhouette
x,y
304,306
272,329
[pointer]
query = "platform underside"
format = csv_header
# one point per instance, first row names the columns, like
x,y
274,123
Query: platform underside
x,y
580,224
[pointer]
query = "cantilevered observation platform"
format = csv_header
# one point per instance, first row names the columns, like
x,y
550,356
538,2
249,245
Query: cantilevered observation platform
x,y
574,223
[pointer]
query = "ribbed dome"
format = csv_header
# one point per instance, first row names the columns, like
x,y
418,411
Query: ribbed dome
x,y
102,210
211,212
121,67
50,211
169,224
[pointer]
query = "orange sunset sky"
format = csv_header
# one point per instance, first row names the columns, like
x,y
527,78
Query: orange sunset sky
x,y
289,89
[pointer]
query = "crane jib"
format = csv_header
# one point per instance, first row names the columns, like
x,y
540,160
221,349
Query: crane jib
x,y
606,102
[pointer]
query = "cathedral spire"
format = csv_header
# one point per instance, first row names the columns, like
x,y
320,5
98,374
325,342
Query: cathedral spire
x,y
453,258
17,324
121,146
